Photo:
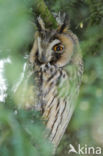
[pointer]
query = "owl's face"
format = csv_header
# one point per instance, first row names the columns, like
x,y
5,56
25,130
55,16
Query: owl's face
x,y
56,47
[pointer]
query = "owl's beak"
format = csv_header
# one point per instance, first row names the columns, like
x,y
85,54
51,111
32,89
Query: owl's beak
x,y
43,56
43,59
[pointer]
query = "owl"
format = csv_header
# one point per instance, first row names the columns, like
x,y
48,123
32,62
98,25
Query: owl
x,y
57,69
57,64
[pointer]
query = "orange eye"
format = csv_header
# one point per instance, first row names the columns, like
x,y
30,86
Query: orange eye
x,y
58,48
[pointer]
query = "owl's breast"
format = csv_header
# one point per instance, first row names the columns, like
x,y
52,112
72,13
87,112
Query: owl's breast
x,y
56,92
48,78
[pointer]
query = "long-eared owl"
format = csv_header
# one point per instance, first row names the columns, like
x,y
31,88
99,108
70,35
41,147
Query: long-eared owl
x,y
57,67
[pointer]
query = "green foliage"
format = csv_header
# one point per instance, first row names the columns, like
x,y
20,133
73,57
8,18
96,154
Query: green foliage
x,y
22,132
40,8
14,24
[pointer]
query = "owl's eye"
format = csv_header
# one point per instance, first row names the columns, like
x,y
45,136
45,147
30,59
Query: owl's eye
x,y
58,48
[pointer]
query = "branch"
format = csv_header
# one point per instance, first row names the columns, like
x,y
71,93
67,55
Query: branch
x,y
41,9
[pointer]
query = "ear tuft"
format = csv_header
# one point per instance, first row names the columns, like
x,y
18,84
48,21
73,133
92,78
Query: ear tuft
x,y
63,22
40,24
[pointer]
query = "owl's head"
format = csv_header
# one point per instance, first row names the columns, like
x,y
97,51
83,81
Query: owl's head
x,y
58,46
